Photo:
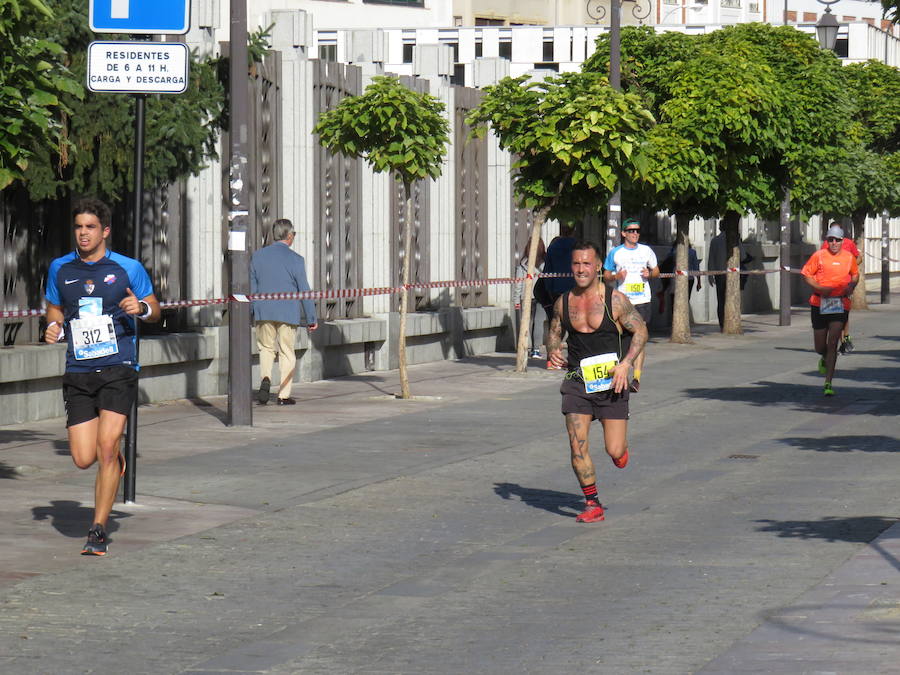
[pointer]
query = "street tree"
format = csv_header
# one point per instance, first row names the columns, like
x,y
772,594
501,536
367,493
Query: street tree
x,y
182,131
398,131
34,83
738,110
574,138
875,92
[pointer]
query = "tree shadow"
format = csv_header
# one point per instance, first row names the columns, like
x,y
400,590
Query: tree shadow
x,y
856,529
548,500
71,519
7,471
845,443
22,436
801,397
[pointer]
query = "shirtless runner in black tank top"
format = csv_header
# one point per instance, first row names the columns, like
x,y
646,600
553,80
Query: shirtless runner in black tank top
x,y
596,385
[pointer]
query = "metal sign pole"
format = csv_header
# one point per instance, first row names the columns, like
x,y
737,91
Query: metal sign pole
x,y
131,436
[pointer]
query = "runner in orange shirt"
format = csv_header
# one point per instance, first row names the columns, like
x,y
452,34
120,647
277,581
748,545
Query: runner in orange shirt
x,y
832,273
846,344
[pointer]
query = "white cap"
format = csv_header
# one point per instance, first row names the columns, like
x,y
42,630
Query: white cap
x,y
834,231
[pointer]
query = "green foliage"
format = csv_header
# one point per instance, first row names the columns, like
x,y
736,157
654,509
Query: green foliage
x,y
258,44
181,130
574,137
34,83
392,127
891,10
741,111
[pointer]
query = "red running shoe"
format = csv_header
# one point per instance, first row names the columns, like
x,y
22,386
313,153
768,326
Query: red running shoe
x,y
622,461
593,513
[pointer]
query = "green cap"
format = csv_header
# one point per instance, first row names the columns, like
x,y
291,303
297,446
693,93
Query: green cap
x,y
630,221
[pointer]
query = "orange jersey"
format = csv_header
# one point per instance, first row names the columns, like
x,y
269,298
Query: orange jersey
x,y
834,271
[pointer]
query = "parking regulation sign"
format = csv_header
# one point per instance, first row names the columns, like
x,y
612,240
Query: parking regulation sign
x,y
138,67
151,17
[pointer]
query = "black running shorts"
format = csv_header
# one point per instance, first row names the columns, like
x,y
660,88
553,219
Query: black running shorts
x,y
605,405
86,394
644,310
820,321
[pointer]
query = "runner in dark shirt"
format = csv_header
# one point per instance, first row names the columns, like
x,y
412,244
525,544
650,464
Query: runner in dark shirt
x,y
94,297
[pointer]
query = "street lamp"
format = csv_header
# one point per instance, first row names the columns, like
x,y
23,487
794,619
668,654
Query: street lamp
x,y
597,11
827,28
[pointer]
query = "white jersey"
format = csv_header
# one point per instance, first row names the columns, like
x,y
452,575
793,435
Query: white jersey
x,y
632,260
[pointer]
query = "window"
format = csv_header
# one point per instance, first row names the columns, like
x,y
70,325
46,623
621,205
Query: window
x,y
459,75
505,50
408,52
479,49
482,21
328,52
547,65
455,47
548,50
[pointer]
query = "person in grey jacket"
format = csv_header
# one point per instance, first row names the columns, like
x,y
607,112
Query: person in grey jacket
x,y
277,269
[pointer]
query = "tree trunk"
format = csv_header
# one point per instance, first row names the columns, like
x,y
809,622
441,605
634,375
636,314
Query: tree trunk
x,y
732,323
681,309
525,322
858,300
404,294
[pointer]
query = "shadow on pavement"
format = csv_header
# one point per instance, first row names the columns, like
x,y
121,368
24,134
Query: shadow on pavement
x,y
209,408
7,471
855,529
71,519
548,500
802,397
21,436
845,443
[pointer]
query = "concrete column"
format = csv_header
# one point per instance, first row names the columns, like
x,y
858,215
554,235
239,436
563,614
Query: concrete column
x,y
203,210
368,50
435,63
499,210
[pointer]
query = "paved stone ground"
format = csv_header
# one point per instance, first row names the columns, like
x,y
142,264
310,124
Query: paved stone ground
x,y
755,529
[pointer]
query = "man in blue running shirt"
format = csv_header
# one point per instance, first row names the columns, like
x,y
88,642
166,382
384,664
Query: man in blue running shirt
x,y
94,297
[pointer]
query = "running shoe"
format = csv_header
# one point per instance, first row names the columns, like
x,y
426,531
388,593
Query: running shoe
x,y
96,541
263,396
822,368
829,390
535,353
622,462
593,512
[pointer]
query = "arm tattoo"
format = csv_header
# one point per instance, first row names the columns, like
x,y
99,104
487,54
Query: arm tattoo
x,y
628,317
554,339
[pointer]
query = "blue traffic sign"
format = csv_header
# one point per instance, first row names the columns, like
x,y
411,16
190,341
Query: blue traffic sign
x,y
171,17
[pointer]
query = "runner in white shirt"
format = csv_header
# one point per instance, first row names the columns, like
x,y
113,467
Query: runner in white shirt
x,y
631,265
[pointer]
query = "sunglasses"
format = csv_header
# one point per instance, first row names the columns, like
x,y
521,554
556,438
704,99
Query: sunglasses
x,y
631,230
830,239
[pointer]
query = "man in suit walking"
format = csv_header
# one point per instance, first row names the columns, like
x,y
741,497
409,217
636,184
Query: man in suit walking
x,y
277,269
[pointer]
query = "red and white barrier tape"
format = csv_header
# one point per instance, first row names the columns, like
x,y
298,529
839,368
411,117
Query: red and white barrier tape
x,y
878,257
387,290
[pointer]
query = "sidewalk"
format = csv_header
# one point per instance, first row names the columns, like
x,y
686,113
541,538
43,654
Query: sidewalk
x,y
335,489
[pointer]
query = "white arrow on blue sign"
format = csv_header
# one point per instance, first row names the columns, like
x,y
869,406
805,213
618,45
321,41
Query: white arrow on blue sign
x,y
151,17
